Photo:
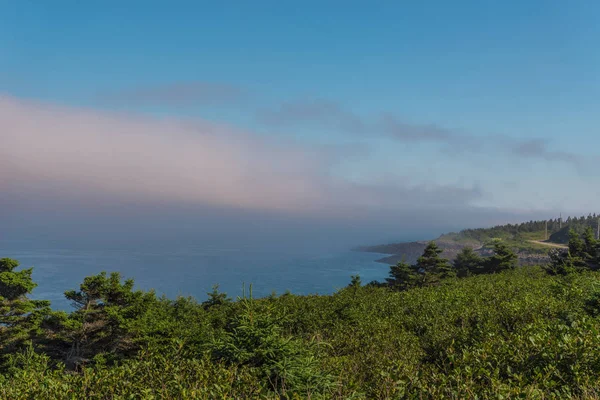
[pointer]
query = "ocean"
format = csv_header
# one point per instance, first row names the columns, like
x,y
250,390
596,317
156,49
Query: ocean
x,y
191,270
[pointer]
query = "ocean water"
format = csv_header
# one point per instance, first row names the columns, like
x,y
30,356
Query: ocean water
x,y
190,270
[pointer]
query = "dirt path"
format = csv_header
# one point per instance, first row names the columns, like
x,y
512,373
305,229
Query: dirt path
x,y
560,246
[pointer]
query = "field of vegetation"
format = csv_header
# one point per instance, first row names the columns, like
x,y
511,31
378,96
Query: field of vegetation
x,y
479,327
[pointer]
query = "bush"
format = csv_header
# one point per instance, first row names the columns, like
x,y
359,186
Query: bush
x,y
520,333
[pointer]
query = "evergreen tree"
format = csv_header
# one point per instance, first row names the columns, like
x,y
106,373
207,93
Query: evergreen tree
x,y
403,276
503,258
105,317
576,245
563,263
578,257
467,262
590,247
355,281
20,317
215,298
432,266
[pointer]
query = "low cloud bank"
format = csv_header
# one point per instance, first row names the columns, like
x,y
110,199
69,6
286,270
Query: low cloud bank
x,y
53,149
74,171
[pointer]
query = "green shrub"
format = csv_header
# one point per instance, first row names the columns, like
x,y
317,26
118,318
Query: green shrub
x,y
520,333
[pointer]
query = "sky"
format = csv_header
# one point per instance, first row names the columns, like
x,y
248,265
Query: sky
x,y
358,120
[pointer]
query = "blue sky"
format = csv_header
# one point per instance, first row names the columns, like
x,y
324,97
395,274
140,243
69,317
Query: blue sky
x,y
499,100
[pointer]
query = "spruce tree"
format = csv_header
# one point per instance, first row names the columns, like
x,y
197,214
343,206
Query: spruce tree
x,y
432,266
576,245
107,311
467,262
504,258
577,258
563,263
20,317
215,298
403,276
590,247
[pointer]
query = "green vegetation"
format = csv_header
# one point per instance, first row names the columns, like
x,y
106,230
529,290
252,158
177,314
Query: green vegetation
x,y
529,240
431,268
517,235
475,328
578,225
583,254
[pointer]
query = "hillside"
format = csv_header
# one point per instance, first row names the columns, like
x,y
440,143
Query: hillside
x,y
576,224
527,239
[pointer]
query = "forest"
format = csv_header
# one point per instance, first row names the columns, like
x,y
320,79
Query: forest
x,y
557,230
476,327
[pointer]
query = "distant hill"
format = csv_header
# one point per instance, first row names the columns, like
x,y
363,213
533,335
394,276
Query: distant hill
x,y
526,239
410,251
395,248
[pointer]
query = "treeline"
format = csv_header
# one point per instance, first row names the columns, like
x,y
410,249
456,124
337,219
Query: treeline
x,y
558,229
431,268
575,225
583,253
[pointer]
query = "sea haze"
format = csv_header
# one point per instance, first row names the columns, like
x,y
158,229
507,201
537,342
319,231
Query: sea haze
x,y
179,251
191,270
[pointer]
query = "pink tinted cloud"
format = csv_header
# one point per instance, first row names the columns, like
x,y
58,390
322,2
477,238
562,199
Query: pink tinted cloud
x,y
145,159
51,151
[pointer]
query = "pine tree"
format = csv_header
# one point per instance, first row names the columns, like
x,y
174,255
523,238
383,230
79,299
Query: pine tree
x,y
577,258
215,298
20,317
355,281
432,267
105,317
403,276
576,245
563,263
504,258
590,245
467,262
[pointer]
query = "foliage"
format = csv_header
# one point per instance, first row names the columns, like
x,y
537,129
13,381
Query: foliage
x,y
403,276
104,321
557,229
574,225
216,298
20,317
431,269
514,333
355,281
467,263
583,254
255,339
502,259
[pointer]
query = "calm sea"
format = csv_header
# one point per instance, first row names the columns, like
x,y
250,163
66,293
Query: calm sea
x,y
192,270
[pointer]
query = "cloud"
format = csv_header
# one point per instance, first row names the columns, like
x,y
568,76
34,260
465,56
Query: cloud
x,y
98,157
77,174
390,126
332,115
538,148
317,111
177,94
145,158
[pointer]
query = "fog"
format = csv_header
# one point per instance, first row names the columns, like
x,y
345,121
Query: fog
x,y
87,177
